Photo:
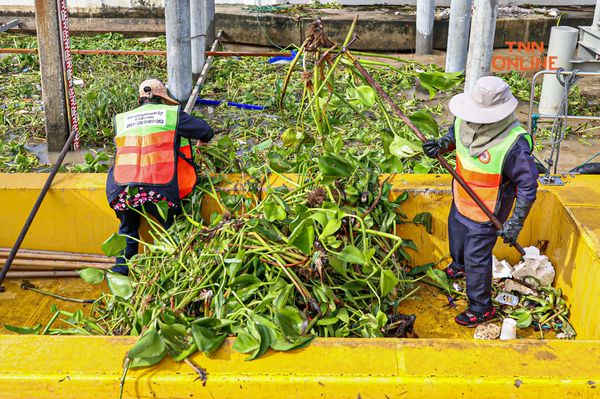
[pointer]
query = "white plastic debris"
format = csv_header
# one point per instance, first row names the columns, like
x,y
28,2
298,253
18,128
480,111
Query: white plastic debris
x,y
509,329
536,265
501,269
487,331
513,286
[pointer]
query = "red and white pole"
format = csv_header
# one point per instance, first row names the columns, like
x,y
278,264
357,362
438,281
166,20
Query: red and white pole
x,y
63,19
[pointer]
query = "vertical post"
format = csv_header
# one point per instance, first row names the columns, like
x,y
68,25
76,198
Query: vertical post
x,y
53,83
596,21
561,50
198,36
481,42
179,50
458,35
424,33
210,22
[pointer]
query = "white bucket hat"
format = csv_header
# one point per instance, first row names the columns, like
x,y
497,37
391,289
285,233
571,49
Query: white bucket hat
x,y
489,101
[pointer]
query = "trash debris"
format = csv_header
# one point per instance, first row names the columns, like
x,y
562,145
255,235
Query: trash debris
x,y
535,265
501,269
507,299
513,286
509,329
487,331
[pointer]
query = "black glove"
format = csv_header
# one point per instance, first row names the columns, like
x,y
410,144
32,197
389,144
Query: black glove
x,y
432,148
512,227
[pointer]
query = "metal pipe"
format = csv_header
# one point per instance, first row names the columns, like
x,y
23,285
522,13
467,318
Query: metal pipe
x,y
179,50
459,26
161,53
481,42
424,33
561,50
422,137
192,100
198,39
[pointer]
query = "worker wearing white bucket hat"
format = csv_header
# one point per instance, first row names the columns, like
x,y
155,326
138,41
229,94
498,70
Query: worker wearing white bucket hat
x,y
493,156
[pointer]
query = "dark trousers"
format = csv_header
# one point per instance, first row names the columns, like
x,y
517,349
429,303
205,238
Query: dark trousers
x,y
471,250
130,225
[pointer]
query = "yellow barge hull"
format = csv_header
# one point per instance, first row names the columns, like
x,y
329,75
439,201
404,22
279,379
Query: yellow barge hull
x,y
447,363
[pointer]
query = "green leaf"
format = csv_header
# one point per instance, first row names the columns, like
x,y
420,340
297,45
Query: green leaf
x,y
422,269
91,275
303,238
24,330
114,245
342,314
292,137
332,226
365,95
425,219
387,282
425,122
381,319
264,145
146,361
246,343
524,320
352,254
274,211
422,167
404,148
119,285
265,341
439,276
333,165
338,265
328,321
290,322
206,339
149,345
163,209
435,81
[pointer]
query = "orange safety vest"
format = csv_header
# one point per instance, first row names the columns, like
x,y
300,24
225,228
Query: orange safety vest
x,y
483,174
146,144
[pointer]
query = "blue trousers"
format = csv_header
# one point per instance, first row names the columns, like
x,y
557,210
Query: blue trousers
x,y
471,250
130,225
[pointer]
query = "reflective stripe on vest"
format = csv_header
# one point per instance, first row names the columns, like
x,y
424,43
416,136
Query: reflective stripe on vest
x,y
145,140
483,174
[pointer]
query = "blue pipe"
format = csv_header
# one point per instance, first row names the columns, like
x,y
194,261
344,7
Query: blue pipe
x,y
216,103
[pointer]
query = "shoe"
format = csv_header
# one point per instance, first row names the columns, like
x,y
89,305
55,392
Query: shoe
x,y
121,269
453,272
469,318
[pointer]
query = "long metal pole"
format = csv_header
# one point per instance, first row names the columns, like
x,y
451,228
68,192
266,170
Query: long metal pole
x,y
424,33
198,39
459,27
36,207
421,137
596,21
481,42
202,78
179,50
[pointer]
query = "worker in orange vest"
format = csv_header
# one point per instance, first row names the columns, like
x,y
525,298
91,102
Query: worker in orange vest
x,y
154,166
493,156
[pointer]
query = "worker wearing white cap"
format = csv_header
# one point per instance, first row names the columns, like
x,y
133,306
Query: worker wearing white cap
x,y
493,156
154,166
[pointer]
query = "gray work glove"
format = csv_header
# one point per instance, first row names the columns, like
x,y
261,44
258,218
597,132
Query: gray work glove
x,y
513,226
432,148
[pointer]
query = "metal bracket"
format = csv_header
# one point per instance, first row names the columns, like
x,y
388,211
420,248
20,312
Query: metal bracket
x,y
551,181
9,25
